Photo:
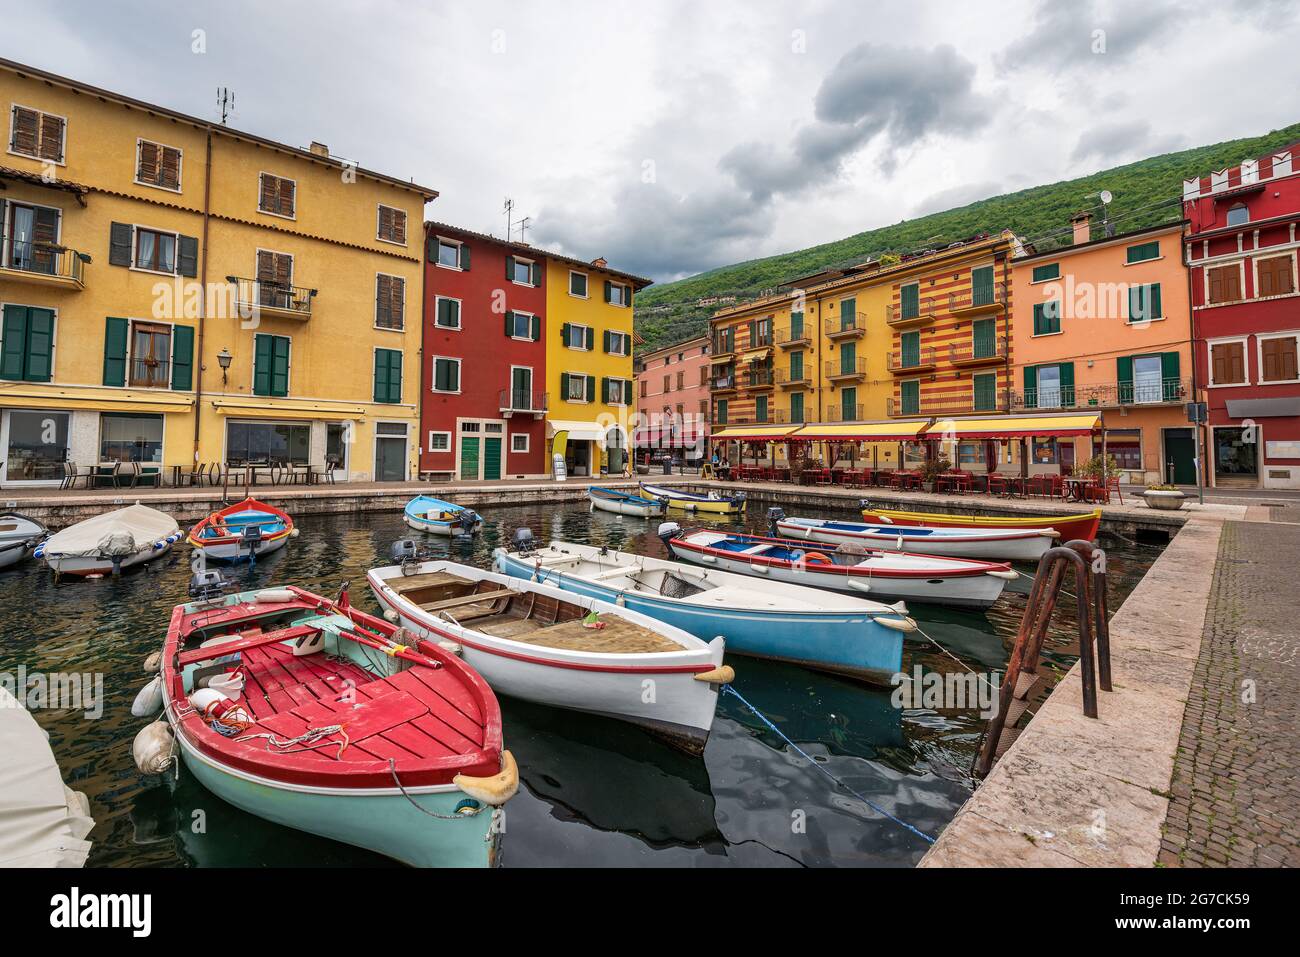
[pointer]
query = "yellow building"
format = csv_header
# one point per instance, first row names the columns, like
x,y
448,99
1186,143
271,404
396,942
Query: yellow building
x,y
176,293
589,363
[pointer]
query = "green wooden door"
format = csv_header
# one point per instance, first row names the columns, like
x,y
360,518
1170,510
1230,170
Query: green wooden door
x,y
469,458
981,286
911,347
849,405
491,458
848,358
1180,456
984,338
910,392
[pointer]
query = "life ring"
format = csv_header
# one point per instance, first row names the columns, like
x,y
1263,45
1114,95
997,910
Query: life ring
x,y
218,525
817,558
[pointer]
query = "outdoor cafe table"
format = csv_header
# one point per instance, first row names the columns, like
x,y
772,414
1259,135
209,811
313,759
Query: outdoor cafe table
x,y
1076,489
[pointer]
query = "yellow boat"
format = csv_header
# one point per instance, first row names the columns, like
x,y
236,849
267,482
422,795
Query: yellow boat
x,y
693,502
1068,527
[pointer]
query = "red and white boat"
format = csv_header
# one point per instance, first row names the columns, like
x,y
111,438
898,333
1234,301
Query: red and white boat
x,y
315,715
1067,527
996,544
245,531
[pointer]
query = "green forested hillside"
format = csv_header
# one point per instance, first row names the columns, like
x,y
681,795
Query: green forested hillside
x,y
1144,193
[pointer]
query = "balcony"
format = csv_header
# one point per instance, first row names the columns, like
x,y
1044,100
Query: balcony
x,y
956,404
978,300
852,327
722,346
978,353
723,383
799,338
756,379
522,401
46,264
783,417
835,412
840,371
1107,395
903,363
900,317
254,297
787,379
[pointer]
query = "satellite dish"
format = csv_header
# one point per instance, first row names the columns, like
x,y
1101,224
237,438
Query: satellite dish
x,y
1106,197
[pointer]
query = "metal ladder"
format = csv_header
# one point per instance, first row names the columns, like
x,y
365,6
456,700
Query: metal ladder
x,y
1022,674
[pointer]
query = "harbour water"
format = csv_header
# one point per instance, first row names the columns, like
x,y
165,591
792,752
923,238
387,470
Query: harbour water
x,y
593,791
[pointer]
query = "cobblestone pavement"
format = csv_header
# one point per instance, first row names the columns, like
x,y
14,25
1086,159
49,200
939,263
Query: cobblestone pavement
x,y
1235,795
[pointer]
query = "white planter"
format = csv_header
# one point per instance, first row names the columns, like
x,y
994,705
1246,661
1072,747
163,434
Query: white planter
x,y
1168,501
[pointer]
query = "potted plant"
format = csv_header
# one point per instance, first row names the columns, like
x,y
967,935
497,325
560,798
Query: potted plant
x,y
1167,497
931,469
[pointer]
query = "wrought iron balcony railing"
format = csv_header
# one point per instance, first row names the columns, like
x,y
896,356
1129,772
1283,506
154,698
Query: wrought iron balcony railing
x,y
907,361
522,400
43,260
956,404
978,353
836,412
1106,395
905,314
851,326
840,369
254,294
989,297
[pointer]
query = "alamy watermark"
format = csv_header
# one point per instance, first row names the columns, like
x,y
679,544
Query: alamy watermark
x,y
56,690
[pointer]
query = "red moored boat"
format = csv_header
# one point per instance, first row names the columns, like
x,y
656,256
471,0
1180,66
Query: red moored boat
x,y
1067,527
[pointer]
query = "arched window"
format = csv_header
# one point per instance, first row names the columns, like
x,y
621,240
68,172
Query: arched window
x,y
1238,215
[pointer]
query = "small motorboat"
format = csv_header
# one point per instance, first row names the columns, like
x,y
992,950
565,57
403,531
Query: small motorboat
x,y
837,633
961,582
428,514
1067,527
19,536
997,544
536,642
313,714
695,502
626,503
112,542
246,531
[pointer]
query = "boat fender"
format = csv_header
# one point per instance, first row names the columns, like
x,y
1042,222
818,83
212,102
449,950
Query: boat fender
x,y
1049,533
721,675
153,663
205,699
1009,575
152,748
495,790
392,616
149,700
451,647
293,532
858,584
214,705
898,624
274,595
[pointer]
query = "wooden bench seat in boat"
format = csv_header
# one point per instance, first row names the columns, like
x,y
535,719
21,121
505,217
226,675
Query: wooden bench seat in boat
x,y
617,637
474,599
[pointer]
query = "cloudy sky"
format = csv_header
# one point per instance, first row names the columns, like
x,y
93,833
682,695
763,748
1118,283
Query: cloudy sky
x,y
672,136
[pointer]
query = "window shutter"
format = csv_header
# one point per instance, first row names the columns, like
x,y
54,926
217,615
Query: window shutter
x,y
13,342
266,199
1124,373
591,338
535,272
564,386
564,334
394,376
26,131
1066,371
287,189
1031,386
1153,300
170,173
261,365
510,268
796,325
604,390
40,345
182,357
591,388
385,222
399,225
51,138
1169,372
119,244
609,291
607,341
280,366
265,266
188,256
146,170
535,328
510,323
464,256
439,375
384,376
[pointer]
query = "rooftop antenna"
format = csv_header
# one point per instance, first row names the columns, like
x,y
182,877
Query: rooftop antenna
x,y
226,101
508,209
524,224
1107,227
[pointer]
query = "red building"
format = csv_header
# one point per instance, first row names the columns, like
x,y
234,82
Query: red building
x,y
483,402
1242,259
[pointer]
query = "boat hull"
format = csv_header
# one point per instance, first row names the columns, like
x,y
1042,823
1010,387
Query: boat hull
x,y
627,508
11,553
967,591
998,545
380,820
234,552
847,643
85,565
1068,527
685,502
441,528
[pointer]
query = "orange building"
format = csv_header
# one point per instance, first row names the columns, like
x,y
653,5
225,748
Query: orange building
x,y
1104,325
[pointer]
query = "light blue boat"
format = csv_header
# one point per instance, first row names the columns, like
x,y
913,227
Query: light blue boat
x,y
777,620
428,514
625,503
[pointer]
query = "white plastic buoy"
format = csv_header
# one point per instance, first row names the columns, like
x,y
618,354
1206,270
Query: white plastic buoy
x,y
149,700
153,663
276,595
294,532
152,748
391,615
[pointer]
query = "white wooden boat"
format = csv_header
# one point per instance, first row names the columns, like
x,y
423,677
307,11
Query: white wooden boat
x,y
19,536
531,641
997,544
245,531
112,542
829,632
941,581
625,503
710,502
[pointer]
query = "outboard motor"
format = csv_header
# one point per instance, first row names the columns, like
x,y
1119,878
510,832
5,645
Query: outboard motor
x,y
523,541
739,498
466,521
668,531
774,515
864,504
404,550
250,539
206,585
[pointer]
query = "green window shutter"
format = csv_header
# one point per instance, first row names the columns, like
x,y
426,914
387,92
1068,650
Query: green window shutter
x,y
535,328
280,366
591,388
13,342
911,395
381,376
564,334
1170,373
1143,252
535,273
446,375
609,291
986,392
1044,273
591,338
1066,370
187,256
796,325
606,342
510,323
564,386
911,301
510,267
40,345
984,343
722,412
388,375
115,333
848,313
1031,387
796,366
848,357
796,407
261,365
910,343
760,408
1124,373
464,256
1137,304
182,358
1047,317
981,286
604,390
1157,311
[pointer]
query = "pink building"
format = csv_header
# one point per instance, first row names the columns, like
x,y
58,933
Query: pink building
x,y
673,398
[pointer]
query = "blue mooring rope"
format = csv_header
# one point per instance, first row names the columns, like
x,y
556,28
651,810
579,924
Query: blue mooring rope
x,y
875,807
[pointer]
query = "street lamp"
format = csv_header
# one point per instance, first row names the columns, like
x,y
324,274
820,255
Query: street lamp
x,y
223,360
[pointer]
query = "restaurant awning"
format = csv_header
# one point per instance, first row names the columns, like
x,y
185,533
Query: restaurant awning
x,y
900,431
577,431
756,433
753,355
1015,427
262,410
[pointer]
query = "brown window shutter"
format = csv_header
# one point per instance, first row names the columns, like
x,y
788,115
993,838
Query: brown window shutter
x,y
383,300
398,287
385,223
399,226
26,126
1274,276
265,266
170,171
283,268
286,197
267,198
146,170
51,138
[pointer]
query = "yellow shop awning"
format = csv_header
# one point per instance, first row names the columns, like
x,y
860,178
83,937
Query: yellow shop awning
x,y
901,431
753,355
756,433
577,431
77,400
1016,427
268,410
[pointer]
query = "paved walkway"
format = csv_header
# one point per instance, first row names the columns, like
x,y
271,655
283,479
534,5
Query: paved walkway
x,y
1236,791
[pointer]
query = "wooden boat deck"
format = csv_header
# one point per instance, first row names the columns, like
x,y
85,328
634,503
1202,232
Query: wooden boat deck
x,y
617,637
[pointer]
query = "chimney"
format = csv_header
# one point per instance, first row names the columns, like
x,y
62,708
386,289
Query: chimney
x,y
600,263
1082,223
319,149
